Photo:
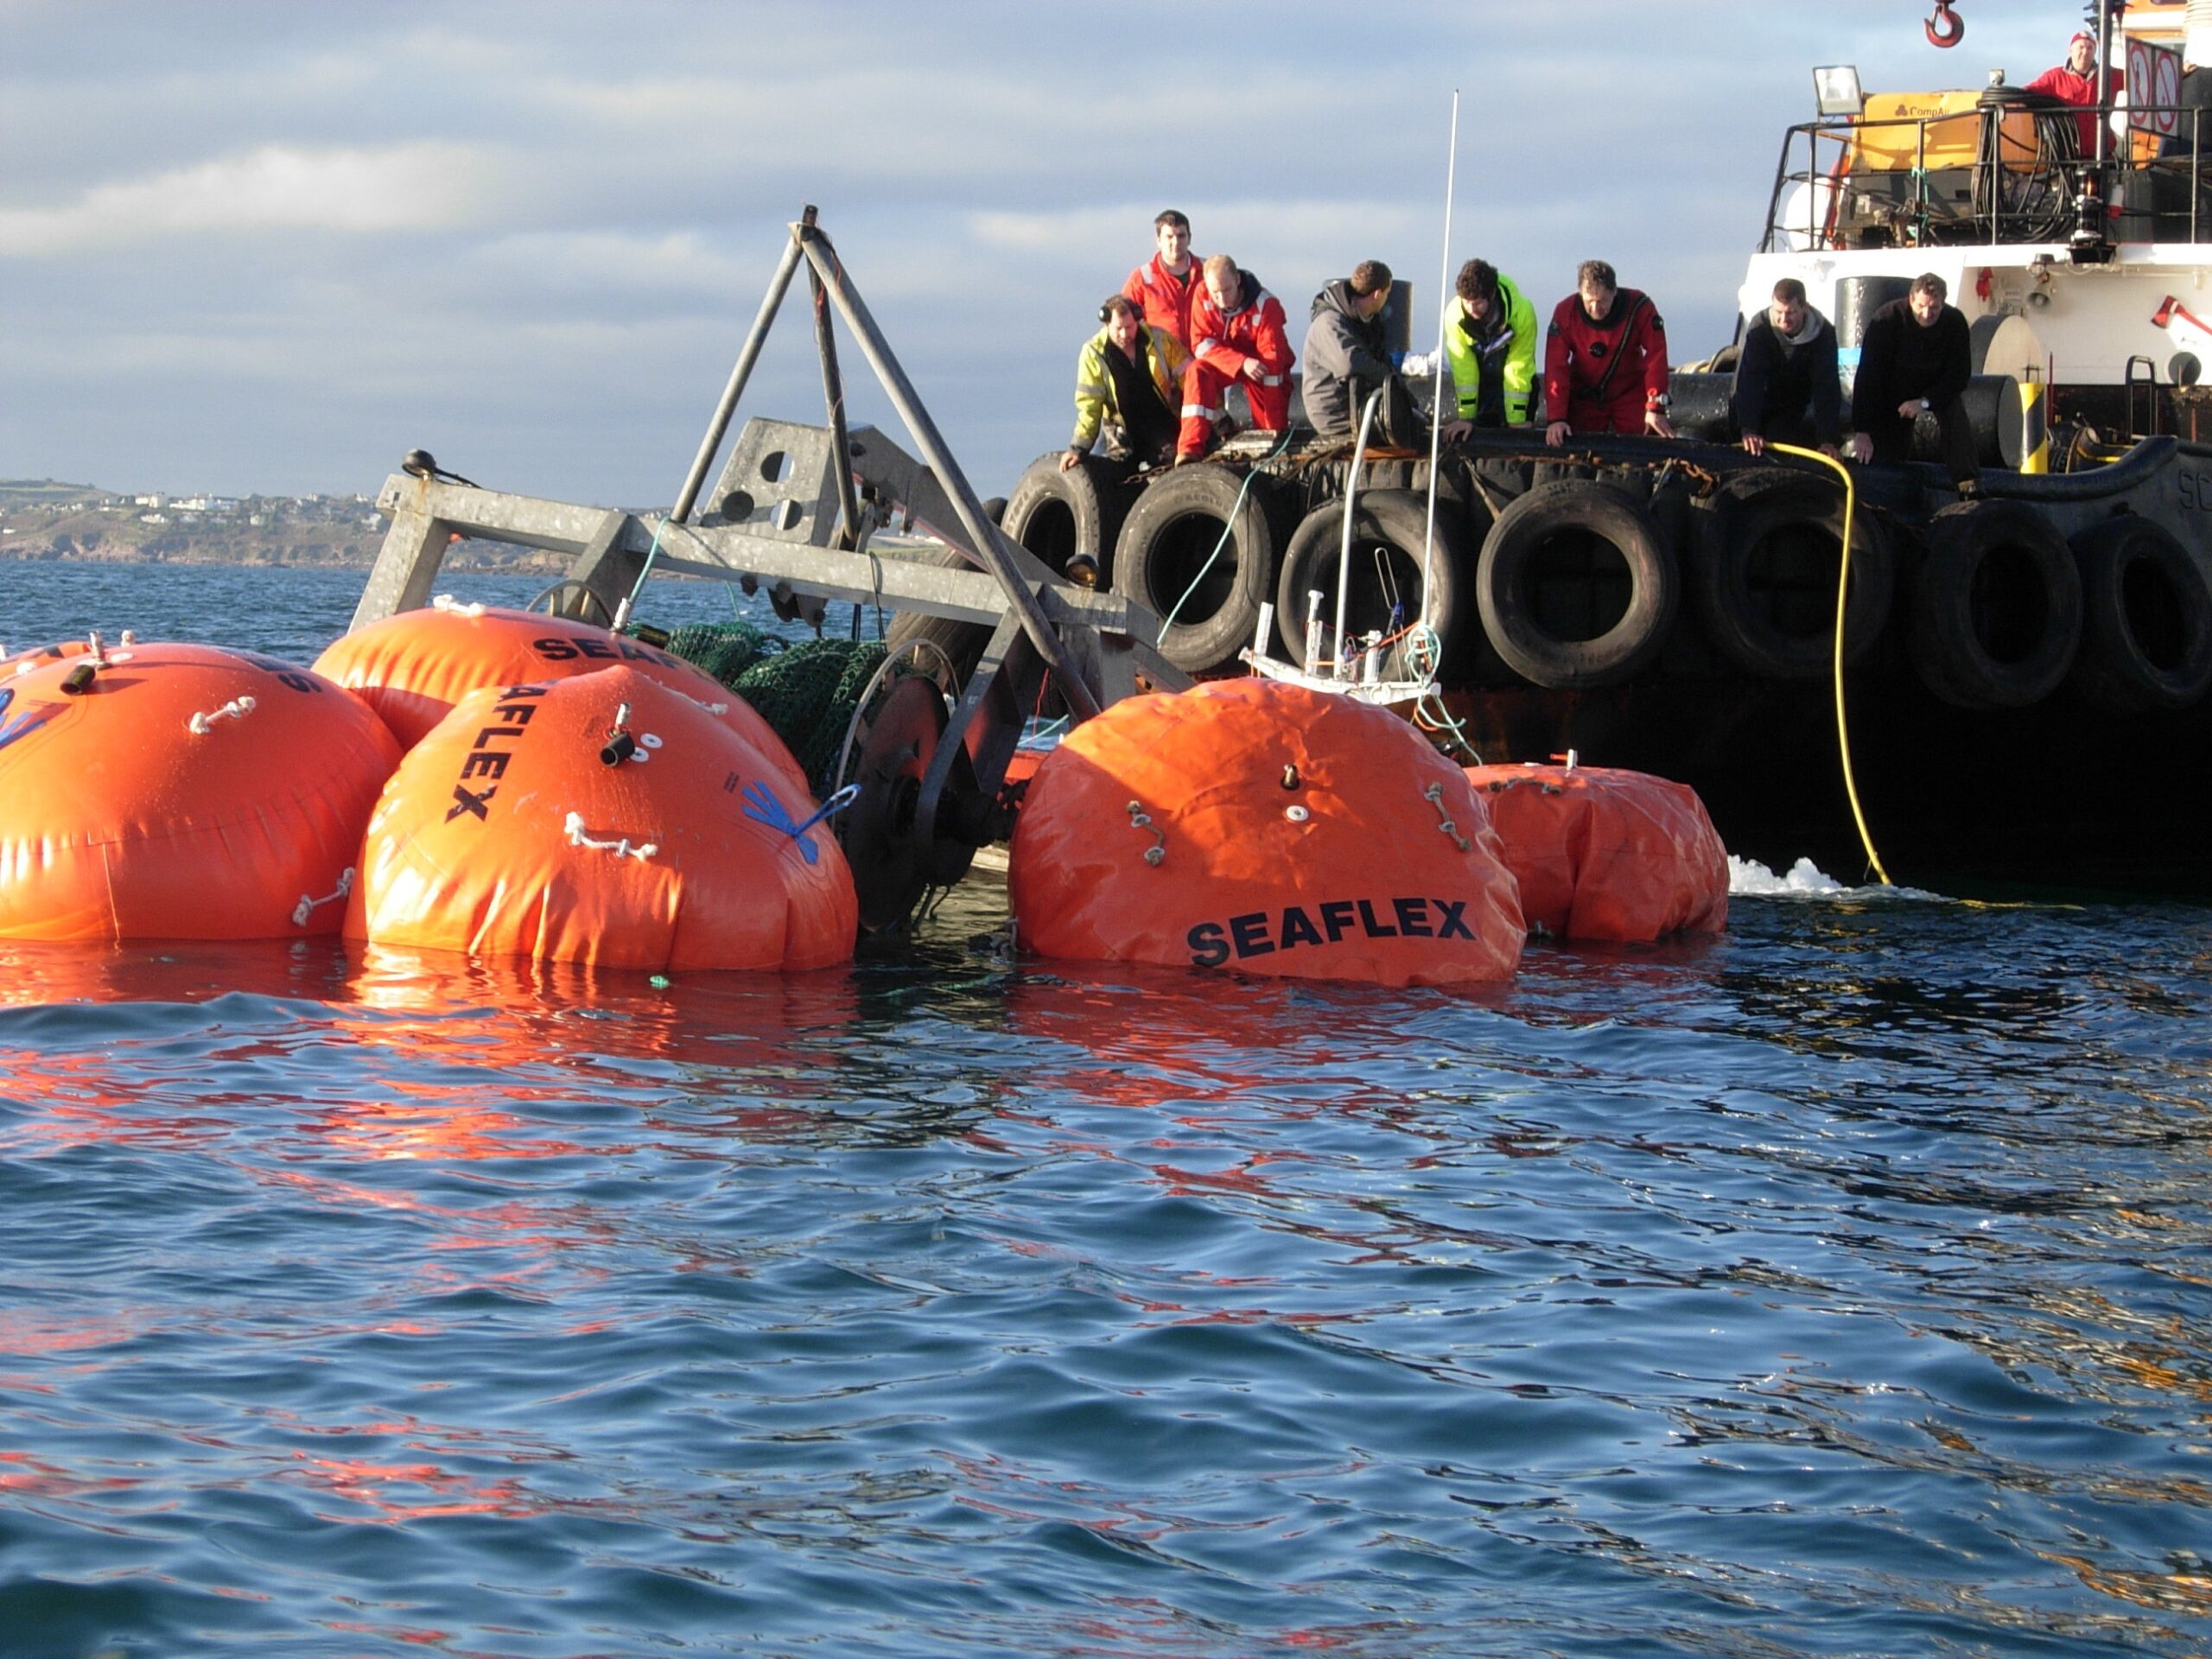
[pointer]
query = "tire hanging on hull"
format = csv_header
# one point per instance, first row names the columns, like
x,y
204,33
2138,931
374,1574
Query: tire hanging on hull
x,y
1576,585
1173,555
1763,575
2147,619
1388,532
1996,607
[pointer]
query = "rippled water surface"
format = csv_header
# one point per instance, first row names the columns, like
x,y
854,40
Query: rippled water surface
x,y
1837,1287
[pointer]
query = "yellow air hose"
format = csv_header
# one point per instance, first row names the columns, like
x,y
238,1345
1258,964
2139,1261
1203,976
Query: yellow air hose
x,y
1842,594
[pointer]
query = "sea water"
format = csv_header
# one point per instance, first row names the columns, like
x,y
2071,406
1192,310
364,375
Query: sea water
x,y
1837,1287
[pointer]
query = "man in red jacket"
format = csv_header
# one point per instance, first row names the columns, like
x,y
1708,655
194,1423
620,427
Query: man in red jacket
x,y
1166,285
1605,360
1238,333
2075,82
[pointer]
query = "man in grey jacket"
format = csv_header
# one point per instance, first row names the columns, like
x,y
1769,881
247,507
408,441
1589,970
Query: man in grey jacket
x,y
1347,356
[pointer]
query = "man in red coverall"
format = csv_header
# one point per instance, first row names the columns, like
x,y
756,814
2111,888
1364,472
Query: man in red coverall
x,y
1605,360
2075,82
1167,284
1237,333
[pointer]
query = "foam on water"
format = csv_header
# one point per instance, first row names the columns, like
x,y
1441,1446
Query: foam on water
x,y
1749,879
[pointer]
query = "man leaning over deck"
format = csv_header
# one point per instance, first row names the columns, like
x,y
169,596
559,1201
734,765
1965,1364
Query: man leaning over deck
x,y
1127,383
1605,360
1787,388
1489,341
1167,284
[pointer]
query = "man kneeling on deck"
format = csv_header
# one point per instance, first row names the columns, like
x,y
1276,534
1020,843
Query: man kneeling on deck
x,y
1787,389
1237,333
1126,382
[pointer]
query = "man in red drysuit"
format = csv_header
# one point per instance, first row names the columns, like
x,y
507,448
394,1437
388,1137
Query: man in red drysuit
x,y
2075,82
1238,335
1167,284
1605,360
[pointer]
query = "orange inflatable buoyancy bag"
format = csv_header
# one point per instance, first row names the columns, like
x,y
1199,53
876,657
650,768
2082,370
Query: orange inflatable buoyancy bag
x,y
414,667
1260,826
1603,853
165,792
608,820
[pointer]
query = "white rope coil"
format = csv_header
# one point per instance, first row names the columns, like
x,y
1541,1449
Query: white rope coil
x,y
236,708
452,606
308,905
621,847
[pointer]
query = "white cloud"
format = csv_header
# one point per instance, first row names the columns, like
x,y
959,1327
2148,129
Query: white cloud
x,y
410,186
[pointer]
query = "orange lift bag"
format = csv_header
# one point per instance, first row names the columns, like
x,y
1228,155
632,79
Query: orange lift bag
x,y
1607,854
162,792
1263,827
607,820
414,667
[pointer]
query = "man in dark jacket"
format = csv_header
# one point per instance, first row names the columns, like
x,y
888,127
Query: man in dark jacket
x,y
1787,389
1915,360
1347,356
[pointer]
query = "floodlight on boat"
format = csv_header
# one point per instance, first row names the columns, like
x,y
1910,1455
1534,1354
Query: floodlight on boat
x,y
1836,90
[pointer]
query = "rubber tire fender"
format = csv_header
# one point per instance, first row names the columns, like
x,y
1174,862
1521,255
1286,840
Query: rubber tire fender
x,y
2115,670
1057,515
1952,596
1729,533
1508,567
1165,540
1399,518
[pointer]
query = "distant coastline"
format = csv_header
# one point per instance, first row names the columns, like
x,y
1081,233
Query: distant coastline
x,y
43,520
467,558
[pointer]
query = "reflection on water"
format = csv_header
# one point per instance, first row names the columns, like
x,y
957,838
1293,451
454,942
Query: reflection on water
x,y
1835,1287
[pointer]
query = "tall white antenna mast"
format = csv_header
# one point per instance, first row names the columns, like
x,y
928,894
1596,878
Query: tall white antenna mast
x,y
1436,421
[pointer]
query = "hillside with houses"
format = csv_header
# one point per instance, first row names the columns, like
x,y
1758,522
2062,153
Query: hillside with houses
x,y
47,518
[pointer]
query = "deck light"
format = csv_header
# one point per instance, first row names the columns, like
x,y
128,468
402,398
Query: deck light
x,y
1836,90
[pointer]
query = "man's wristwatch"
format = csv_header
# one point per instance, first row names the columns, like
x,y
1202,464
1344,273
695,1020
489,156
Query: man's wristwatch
x,y
1925,405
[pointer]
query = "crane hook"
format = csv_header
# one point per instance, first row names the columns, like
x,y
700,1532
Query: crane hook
x,y
1945,28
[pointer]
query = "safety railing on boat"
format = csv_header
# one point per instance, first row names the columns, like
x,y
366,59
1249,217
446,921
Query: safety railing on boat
x,y
2009,170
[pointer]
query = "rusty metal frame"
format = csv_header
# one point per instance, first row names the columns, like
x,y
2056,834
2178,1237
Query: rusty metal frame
x,y
803,526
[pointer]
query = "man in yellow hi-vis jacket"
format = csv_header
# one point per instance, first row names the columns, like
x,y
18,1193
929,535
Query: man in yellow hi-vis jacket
x,y
1489,339
1128,379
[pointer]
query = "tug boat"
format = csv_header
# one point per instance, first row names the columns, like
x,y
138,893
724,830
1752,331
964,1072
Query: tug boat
x,y
1671,607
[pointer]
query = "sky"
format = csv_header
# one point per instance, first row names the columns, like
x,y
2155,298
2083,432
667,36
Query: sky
x,y
250,248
